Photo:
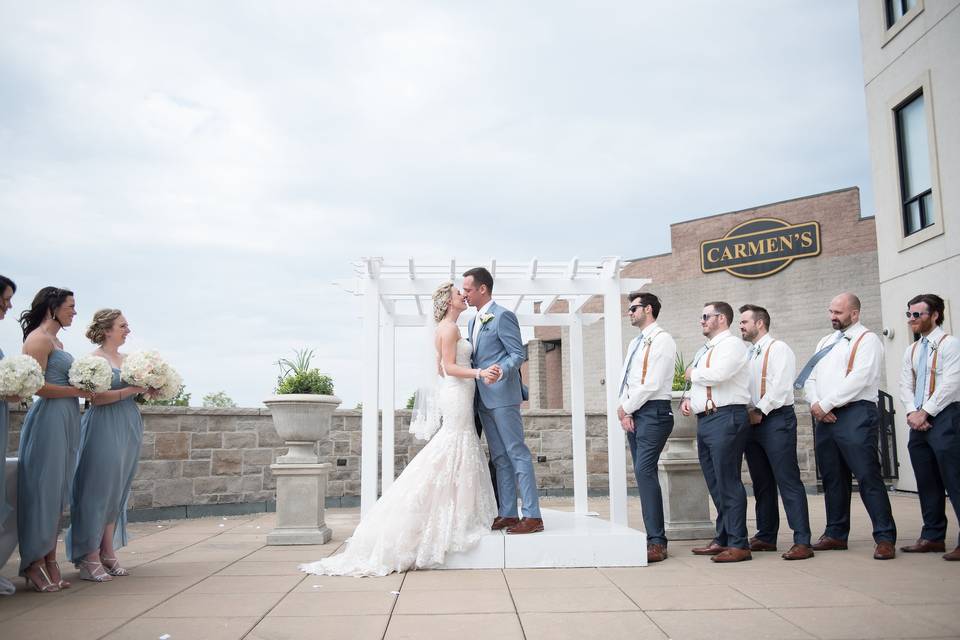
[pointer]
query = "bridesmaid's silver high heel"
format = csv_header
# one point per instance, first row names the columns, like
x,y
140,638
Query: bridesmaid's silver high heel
x,y
98,574
63,584
45,586
112,565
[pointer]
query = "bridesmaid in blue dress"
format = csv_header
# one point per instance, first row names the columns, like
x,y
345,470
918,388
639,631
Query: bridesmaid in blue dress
x,y
48,440
7,289
110,435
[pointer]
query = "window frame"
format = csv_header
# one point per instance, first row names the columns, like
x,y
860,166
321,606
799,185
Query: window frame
x,y
890,31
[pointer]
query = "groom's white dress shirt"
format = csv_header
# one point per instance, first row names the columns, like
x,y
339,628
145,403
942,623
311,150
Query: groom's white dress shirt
x,y
477,325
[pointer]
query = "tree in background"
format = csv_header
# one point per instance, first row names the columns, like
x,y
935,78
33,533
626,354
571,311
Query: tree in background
x,y
218,399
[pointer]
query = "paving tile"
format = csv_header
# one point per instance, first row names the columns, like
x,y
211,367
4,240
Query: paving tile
x,y
945,615
688,597
803,595
882,621
323,628
247,568
743,624
297,553
92,607
141,585
555,578
313,583
454,579
56,629
570,599
350,603
184,628
180,568
660,574
502,626
609,625
245,584
223,605
454,601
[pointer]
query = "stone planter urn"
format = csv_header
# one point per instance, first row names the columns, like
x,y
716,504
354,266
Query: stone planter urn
x,y
686,502
302,420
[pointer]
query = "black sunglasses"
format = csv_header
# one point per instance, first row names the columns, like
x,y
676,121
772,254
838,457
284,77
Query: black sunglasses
x,y
916,314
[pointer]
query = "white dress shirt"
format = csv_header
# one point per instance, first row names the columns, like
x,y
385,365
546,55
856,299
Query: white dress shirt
x,y
728,374
477,325
829,383
947,389
781,372
658,383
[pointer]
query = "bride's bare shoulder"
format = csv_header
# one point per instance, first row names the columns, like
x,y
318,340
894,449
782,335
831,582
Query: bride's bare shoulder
x,y
447,330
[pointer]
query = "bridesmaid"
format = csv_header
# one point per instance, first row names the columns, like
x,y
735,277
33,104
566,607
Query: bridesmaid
x,y
48,440
7,289
110,435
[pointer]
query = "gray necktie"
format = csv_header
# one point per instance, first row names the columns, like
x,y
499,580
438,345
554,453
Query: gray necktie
x,y
812,362
623,384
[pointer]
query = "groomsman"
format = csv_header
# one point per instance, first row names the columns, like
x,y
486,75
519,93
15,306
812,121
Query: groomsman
x,y
646,384
930,392
719,395
771,451
841,382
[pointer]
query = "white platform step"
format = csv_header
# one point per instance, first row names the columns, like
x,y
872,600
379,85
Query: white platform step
x,y
568,540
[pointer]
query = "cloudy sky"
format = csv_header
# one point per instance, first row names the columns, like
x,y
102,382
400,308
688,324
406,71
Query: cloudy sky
x,y
211,168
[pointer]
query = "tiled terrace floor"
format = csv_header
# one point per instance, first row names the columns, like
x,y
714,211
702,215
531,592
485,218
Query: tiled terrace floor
x,y
214,578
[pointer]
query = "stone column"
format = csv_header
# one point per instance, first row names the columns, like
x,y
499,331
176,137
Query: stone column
x,y
301,493
686,502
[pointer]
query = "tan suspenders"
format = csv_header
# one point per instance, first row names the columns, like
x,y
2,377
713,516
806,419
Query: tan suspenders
x,y
933,366
853,351
763,372
646,357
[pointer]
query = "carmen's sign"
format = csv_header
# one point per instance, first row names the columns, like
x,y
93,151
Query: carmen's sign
x,y
760,247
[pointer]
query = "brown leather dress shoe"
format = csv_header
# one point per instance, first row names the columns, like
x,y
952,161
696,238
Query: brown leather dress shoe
x,y
924,546
711,549
656,553
527,525
952,555
798,552
826,543
884,551
756,544
502,523
733,554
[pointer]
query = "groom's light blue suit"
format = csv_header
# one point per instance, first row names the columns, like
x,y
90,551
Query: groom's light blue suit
x,y
498,405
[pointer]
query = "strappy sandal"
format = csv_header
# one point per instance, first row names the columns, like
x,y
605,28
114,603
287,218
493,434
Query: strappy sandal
x,y
46,586
112,565
98,574
63,584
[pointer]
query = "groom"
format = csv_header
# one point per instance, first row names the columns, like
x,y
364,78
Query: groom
x,y
495,337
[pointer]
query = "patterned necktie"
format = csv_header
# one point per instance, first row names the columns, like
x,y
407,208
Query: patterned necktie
x,y
919,392
636,345
812,362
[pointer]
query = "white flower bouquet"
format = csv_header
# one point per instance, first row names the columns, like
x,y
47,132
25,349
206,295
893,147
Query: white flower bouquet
x,y
91,373
20,376
147,369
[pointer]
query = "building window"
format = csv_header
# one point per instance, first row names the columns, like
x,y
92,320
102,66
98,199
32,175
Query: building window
x,y
916,190
896,9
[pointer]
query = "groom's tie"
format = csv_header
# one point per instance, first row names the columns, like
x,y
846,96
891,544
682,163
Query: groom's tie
x,y
812,362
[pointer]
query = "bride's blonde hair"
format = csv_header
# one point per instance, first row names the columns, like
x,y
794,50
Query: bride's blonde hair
x,y
441,300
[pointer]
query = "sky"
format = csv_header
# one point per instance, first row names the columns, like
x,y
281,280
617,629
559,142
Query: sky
x,y
213,168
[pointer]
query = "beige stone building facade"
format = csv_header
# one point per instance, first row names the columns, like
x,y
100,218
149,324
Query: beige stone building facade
x,y
911,66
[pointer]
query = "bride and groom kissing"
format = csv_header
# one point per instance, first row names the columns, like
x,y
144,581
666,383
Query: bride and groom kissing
x,y
444,501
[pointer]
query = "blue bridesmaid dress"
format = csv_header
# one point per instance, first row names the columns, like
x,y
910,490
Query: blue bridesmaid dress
x,y
110,438
4,432
48,456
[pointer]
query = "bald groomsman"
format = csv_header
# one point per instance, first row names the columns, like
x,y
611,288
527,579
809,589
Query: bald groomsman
x,y
719,394
930,392
646,385
771,452
841,382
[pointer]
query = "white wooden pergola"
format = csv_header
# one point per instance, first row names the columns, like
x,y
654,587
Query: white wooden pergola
x,y
398,294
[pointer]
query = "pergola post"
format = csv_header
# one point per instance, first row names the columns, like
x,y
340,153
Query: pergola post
x,y
613,352
371,388
388,356
578,416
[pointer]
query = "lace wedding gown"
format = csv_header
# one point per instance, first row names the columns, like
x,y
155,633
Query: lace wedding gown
x,y
443,500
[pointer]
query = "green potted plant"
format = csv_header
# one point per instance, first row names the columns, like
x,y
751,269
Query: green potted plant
x,y
302,407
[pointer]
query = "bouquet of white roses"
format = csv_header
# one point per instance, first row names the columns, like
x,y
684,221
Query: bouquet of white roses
x,y
147,369
20,376
91,373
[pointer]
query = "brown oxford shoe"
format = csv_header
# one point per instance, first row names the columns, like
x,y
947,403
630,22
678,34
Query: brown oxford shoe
x,y
711,549
502,523
924,546
826,543
798,552
527,525
733,554
756,544
884,551
952,555
656,553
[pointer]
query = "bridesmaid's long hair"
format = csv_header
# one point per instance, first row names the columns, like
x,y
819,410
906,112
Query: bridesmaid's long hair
x,y
45,305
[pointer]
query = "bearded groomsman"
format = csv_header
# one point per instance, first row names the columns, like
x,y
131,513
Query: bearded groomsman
x,y
771,452
841,382
930,392
646,385
719,395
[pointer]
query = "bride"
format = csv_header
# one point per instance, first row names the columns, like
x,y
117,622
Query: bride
x,y
443,500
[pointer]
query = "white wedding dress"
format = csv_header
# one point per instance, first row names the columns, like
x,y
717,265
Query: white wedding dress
x,y
443,500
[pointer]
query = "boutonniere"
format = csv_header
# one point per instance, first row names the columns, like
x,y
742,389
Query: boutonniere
x,y
934,346
485,318
648,341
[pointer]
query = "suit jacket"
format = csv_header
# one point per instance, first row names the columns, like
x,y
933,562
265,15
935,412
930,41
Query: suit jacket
x,y
499,343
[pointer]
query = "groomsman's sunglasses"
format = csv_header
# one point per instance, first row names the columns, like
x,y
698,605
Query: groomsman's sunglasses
x,y
916,314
